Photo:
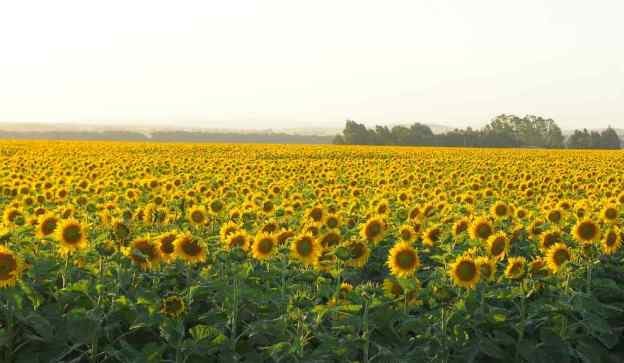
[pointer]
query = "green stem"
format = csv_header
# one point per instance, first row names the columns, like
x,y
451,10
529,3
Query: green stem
x,y
365,334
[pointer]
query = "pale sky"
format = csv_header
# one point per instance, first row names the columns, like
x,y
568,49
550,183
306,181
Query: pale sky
x,y
280,64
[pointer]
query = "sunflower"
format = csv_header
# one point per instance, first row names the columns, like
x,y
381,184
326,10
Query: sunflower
x,y
392,289
226,229
374,229
11,267
432,235
264,246
554,215
359,253
612,241
465,272
403,260
557,255
238,239
332,221
71,235
586,231
537,265
317,214
173,306
610,213
188,248
521,213
536,228
306,248
406,233
497,245
330,238
515,267
283,236
120,229
500,210
143,252
197,215
13,216
487,267
481,229
549,238
165,245
460,226
46,225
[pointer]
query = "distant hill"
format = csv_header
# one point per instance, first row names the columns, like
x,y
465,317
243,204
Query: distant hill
x,y
29,131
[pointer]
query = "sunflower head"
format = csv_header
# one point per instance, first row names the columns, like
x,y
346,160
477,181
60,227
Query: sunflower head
x,y
71,236
359,252
47,224
189,249
500,210
515,268
173,306
11,267
465,272
374,229
306,248
403,260
612,241
264,246
549,238
144,253
610,213
165,244
487,268
460,226
557,255
498,245
481,229
238,239
432,235
586,231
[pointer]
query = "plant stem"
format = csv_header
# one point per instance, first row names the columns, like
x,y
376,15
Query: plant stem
x,y
365,333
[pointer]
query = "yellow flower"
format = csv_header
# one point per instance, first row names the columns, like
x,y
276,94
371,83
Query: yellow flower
x,y
189,249
557,255
498,245
143,252
71,236
374,229
612,241
403,260
586,231
306,249
264,246
515,267
11,267
465,272
480,229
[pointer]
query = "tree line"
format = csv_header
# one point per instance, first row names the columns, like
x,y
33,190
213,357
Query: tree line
x,y
503,131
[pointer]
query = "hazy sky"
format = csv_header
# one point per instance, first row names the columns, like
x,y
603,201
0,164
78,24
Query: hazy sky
x,y
263,64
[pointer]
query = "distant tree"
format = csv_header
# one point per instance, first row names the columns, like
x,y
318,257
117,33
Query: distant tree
x,y
579,140
338,140
610,139
554,136
400,135
356,134
382,136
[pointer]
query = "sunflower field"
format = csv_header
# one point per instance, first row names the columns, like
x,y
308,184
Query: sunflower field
x,y
148,252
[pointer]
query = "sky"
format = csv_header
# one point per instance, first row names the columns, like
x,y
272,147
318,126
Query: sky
x,y
293,64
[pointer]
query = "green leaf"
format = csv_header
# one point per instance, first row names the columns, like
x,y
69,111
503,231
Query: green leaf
x,y
491,349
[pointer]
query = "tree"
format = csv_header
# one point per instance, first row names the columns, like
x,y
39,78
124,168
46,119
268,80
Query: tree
x,y
579,140
338,140
356,134
610,139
